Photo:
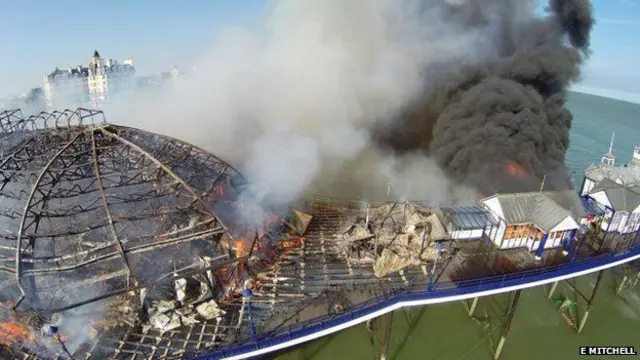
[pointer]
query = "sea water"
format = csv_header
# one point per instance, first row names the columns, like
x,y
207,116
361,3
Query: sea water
x,y
539,331
595,120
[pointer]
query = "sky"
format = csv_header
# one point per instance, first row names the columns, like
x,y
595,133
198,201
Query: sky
x,y
38,35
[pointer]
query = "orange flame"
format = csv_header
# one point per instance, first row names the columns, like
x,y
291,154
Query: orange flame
x,y
13,332
242,249
262,229
515,169
292,243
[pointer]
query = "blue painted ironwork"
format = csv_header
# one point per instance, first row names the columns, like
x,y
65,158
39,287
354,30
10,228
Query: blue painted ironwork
x,y
592,207
567,245
540,249
583,236
248,294
417,292
439,247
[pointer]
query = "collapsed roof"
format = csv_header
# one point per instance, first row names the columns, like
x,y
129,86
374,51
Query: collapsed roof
x,y
136,223
391,236
101,199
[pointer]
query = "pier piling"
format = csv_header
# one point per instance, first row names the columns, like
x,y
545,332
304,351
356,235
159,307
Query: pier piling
x,y
553,290
583,322
507,325
622,284
387,338
473,306
630,279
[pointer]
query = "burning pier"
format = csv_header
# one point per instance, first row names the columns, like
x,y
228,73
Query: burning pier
x,y
119,243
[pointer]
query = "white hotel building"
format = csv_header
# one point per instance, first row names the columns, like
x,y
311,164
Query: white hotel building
x,y
91,86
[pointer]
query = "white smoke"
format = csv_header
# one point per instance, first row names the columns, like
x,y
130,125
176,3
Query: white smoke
x,y
291,103
292,100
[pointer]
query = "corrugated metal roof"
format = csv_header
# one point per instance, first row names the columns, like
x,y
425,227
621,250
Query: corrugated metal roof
x,y
621,198
540,209
470,217
569,200
623,175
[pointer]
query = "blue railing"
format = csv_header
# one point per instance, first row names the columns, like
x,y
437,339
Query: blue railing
x,y
418,292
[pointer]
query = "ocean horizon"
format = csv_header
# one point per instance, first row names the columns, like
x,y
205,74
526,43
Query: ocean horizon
x,y
595,119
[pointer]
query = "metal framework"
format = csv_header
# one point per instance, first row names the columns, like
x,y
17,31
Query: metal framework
x,y
137,246
92,212
99,216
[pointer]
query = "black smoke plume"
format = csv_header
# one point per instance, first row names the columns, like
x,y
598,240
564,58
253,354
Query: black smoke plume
x,y
502,125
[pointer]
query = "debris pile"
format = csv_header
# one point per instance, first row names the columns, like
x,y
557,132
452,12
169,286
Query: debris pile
x,y
391,237
193,302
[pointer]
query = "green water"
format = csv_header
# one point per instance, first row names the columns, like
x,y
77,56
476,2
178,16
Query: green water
x,y
539,331
446,332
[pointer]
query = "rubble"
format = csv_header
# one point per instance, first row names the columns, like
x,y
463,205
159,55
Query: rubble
x,y
120,311
209,310
391,237
298,221
165,322
193,302
166,305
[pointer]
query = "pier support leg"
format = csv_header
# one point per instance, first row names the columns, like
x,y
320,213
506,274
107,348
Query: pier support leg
x,y
553,290
387,337
507,325
631,278
369,326
622,284
583,322
473,306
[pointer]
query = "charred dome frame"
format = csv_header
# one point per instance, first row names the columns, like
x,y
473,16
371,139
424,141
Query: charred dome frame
x,y
136,245
92,211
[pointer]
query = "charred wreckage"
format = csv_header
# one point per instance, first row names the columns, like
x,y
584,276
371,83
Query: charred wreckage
x,y
119,243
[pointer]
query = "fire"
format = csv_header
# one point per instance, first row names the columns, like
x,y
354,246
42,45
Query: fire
x,y
269,222
219,190
272,219
292,243
242,249
515,169
13,332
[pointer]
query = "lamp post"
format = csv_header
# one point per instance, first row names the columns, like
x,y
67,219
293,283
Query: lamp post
x,y
583,234
246,302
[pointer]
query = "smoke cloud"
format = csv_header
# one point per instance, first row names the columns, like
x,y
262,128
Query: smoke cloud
x,y
416,99
479,120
